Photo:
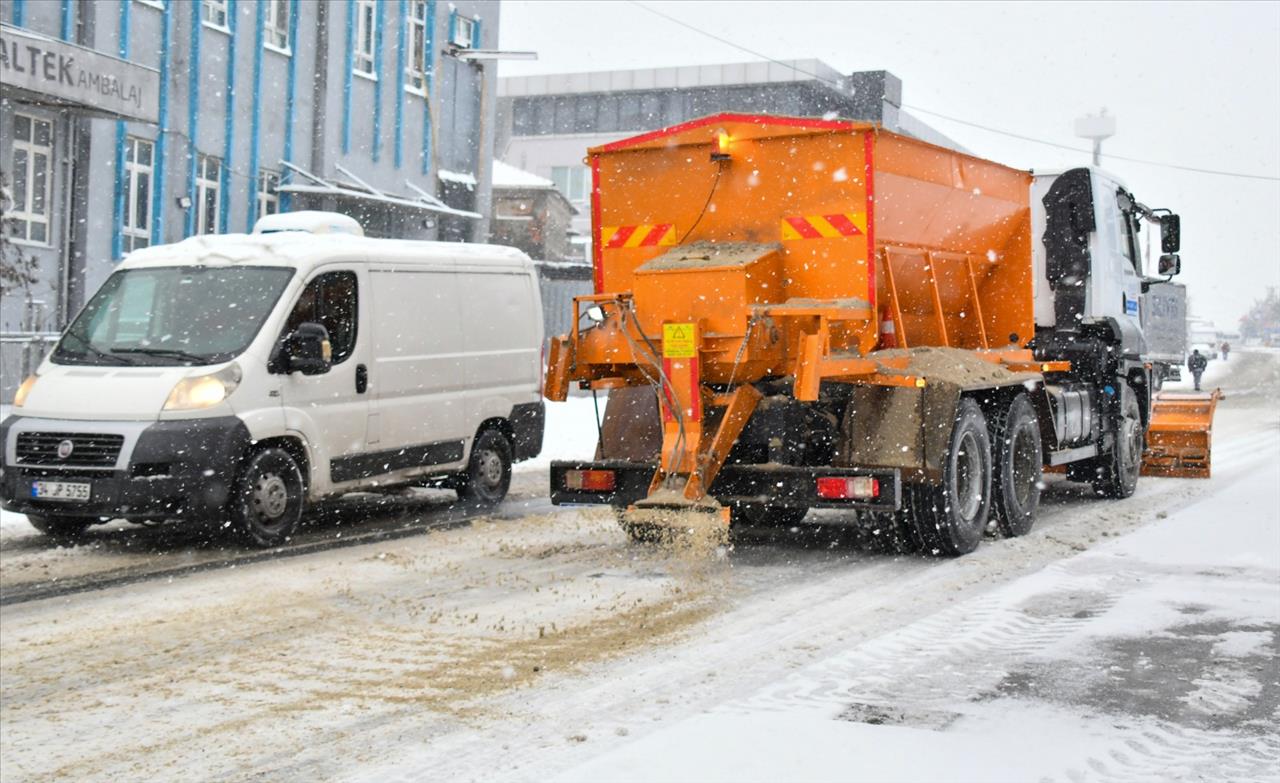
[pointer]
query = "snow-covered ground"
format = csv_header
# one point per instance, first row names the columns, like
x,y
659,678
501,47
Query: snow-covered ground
x,y
1119,640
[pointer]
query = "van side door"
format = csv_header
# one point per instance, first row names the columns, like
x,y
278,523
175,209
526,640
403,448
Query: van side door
x,y
417,370
332,410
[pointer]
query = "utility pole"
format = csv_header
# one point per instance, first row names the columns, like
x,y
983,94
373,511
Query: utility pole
x,y
1096,127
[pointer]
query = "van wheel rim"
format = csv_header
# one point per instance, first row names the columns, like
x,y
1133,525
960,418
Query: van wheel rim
x,y
489,467
968,477
270,497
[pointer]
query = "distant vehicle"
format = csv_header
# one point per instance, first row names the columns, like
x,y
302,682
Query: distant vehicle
x,y
1164,324
1202,335
241,377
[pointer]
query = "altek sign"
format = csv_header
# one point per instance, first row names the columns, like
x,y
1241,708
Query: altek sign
x,y
48,71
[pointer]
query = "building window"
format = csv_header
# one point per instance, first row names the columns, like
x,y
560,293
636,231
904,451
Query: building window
x,y
268,195
32,178
208,188
214,13
418,67
276,25
153,3
366,22
464,32
574,182
519,209
137,209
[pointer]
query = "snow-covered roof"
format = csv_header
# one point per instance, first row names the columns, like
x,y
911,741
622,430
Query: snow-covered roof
x,y
303,251
507,176
460,177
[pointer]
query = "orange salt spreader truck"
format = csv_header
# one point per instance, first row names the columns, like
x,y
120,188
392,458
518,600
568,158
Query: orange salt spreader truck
x,y
796,313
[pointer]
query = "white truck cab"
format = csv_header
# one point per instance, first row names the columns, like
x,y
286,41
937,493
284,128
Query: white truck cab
x,y
239,377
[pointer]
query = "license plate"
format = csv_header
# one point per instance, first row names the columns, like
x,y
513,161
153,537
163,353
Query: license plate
x,y
73,491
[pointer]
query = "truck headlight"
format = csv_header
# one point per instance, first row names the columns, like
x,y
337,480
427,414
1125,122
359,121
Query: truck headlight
x,y
203,391
20,396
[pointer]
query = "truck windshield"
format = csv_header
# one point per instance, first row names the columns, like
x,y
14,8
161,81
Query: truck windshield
x,y
180,315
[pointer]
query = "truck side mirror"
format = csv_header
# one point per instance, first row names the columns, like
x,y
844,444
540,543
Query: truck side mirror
x,y
1170,234
1170,264
308,350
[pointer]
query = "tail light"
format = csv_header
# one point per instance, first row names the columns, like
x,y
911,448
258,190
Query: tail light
x,y
590,480
848,487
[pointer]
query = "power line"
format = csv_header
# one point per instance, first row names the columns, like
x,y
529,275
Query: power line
x,y
1105,154
978,126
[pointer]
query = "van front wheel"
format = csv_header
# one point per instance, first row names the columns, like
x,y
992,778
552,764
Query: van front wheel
x,y
488,473
269,498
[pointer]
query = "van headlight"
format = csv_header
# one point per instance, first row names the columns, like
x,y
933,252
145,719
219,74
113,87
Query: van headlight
x,y
20,396
203,391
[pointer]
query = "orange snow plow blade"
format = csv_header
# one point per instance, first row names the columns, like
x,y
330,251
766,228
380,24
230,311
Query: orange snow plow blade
x,y
1179,438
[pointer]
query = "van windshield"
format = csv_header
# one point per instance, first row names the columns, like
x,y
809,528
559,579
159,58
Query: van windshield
x,y
181,315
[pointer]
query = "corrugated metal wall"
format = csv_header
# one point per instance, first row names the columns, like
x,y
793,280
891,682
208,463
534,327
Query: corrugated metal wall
x,y
560,283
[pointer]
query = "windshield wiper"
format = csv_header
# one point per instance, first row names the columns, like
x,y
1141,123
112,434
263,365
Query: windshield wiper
x,y
90,350
173,353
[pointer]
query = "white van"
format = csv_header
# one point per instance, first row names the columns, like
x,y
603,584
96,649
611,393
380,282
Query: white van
x,y
238,377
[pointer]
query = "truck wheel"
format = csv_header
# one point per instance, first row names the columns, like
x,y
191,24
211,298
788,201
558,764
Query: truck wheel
x,y
1116,474
60,528
950,518
488,475
1019,465
268,499
768,516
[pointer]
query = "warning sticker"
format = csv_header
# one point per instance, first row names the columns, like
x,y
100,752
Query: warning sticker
x,y
678,341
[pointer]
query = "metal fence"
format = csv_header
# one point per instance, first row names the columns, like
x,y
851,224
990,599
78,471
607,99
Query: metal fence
x,y
20,355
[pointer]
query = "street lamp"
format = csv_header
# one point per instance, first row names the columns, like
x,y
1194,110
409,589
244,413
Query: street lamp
x,y
1096,127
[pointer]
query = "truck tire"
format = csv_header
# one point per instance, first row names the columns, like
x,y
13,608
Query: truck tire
x,y
60,528
488,475
1019,466
950,518
268,499
1116,473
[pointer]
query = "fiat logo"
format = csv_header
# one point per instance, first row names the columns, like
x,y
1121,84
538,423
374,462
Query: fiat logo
x,y
65,448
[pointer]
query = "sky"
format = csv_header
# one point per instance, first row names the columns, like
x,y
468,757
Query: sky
x,y
1190,84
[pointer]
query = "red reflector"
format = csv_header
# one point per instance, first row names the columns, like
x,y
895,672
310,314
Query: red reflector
x,y
846,487
593,480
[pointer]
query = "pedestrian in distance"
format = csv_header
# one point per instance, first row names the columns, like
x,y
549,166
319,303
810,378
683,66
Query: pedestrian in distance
x,y
1196,363
1226,348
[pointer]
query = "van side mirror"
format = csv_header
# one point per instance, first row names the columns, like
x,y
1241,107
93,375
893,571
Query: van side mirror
x,y
1170,264
308,350
1170,234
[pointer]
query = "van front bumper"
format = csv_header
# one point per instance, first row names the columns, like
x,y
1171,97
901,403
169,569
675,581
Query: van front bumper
x,y
171,469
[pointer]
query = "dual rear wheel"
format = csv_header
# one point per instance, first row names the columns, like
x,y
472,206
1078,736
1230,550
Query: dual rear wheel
x,y
992,468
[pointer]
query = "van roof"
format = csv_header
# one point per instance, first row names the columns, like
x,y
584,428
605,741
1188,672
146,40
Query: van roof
x,y
301,250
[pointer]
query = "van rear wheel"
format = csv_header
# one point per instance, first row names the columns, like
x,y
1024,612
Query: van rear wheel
x,y
269,498
488,475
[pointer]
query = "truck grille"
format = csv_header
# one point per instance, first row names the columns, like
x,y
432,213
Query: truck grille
x,y
88,450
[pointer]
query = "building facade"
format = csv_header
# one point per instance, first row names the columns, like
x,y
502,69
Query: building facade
x,y
199,116
547,123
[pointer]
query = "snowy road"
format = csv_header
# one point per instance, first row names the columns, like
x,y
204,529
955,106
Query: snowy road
x,y
1131,640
